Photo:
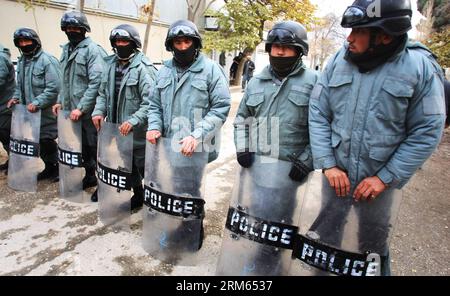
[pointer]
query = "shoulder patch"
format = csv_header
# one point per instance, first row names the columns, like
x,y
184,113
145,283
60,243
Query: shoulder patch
x,y
316,92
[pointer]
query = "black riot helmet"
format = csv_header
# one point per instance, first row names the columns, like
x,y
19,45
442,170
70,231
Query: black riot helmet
x,y
26,33
183,28
75,19
125,32
392,16
288,33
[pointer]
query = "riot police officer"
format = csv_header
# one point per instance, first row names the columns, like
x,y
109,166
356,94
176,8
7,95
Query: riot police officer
x,y
82,66
280,91
188,81
130,74
7,86
38,85
376,114
190,86
271,125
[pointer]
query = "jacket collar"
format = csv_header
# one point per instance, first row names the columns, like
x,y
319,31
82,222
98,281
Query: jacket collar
x,y
266,73
83,43
135,61
196,67
35,57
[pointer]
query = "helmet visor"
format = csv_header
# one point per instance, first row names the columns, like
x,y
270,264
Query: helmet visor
x,y
281,36
120,34
182,31
353,16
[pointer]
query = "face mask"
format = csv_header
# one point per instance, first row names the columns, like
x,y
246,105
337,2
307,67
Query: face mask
x,y
75,38
376,55
283,66
185,57
29,49
124,52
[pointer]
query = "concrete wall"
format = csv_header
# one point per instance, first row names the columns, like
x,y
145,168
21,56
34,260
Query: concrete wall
x,y
46,21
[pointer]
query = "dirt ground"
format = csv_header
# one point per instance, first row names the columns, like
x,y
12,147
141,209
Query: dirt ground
x,y
41,234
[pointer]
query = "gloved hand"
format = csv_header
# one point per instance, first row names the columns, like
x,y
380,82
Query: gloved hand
x,y
299,171
245,159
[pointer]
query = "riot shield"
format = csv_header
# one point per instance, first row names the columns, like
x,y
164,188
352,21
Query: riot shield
x,y
341,236
261,221
24,162
71,169
114,167
173,204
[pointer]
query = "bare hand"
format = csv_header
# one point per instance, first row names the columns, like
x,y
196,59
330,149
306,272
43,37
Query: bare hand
x,y
339,181
56,108
369,188
153,135
12,102
125,128
75,115
97,121
32,108
188,146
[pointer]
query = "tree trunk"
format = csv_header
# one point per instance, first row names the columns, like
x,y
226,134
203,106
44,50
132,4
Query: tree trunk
x,y
149,25
80,5
238,80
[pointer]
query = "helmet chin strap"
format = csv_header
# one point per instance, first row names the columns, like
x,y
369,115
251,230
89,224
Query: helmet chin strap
x,y
373,40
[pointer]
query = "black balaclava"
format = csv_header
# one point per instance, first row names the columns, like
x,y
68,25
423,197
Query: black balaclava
x,y
184,58
376,55
29,50
125,53
75,38
283,66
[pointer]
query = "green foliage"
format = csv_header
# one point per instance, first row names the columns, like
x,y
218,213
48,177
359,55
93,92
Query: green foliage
x,y
440,45
439,41
29,4
242,22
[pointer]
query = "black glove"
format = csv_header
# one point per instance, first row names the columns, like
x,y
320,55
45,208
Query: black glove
x,y
299,171
245,159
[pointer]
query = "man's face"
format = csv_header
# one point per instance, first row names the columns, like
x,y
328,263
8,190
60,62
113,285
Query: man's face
x,y
359,39
25,42
182,43
71,29
285,51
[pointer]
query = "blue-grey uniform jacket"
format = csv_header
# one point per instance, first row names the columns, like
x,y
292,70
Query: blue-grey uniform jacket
x,y
7,79
383,123
200,100
82,69
282,107
39,82
132,101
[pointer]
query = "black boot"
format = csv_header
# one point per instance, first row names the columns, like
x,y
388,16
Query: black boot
x,y
137,200
90,180
94,197
4,167
51,172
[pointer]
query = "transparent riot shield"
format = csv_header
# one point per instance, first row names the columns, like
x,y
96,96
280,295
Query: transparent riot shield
x,y
114,167
71,169
262,220
341,236
24,162
173,207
